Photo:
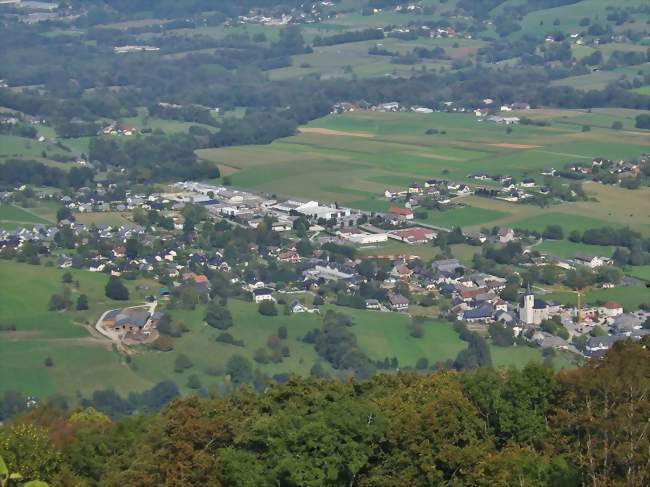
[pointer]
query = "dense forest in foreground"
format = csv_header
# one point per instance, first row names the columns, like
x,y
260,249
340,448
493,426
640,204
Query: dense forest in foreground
x,y
587,426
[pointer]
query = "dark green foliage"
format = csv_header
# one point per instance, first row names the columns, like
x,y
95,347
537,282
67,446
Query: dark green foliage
x,y
501,336
240,370
218,316
115,289
82,302
267,308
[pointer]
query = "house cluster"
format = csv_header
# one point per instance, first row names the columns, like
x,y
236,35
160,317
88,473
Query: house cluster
x,y
131,49
606,170
115,128
432,191
251,209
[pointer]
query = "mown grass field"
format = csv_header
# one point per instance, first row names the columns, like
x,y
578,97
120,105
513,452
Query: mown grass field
x,y
567,249
84,362
351,159
14,215
629,296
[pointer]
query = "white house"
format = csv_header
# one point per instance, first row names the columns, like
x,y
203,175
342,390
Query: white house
x,y
263,294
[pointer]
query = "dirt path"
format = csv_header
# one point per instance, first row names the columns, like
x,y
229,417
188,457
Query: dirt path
x,y
322,131
516,146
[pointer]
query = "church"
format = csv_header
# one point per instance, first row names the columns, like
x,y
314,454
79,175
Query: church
x,y
532,311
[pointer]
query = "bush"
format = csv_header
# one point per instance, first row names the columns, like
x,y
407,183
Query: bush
x,y
193,382
163,344
57,302
229,339
82,302
218,316
240,370
49,362
416,328
422,363
115,289
262,356
553,232
181,363
267,308
282,333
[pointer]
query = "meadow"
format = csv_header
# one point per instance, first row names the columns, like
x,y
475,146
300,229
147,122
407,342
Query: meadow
x,y
353,158
628,296
84,361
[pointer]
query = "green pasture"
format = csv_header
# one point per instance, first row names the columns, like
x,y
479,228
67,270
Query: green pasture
x,y
463,217
566,249
629,296
15,214
352,158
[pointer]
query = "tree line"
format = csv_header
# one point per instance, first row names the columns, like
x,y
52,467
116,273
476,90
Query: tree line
x,y
484,427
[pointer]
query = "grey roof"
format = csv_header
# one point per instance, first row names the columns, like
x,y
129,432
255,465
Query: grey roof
x,y
262,291
627,322
584,256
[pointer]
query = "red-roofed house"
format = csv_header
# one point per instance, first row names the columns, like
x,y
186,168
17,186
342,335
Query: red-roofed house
x,y
611,309
413,235
405,213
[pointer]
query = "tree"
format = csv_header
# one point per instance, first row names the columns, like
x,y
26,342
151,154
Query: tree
x,y
58,302
163,344
282,333
422,363
642,122
181,363
501,335
193,382
116,290
553,232
218,316
240,370
66,278
82,302
27,450
49,362
617,125
267,308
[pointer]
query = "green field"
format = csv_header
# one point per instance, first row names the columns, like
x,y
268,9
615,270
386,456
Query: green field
x,y
84,362
640,272
567,250
14,215
352,158
629,296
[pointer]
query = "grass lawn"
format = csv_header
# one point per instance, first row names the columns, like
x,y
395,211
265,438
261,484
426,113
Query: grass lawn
x,y
82,362
567,250
629,296
463,217
396,248
353,158
640,272
114,219
15,214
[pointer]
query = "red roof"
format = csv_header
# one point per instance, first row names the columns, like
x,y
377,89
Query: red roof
x,y
400,211
417,234
612,305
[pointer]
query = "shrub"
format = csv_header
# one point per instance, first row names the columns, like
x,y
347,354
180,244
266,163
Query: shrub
x,y
267,308
163,344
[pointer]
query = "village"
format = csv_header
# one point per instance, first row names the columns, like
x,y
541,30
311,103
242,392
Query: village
x,y
312,241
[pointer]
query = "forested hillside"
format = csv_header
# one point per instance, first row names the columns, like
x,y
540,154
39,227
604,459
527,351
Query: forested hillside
x,y
586,426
